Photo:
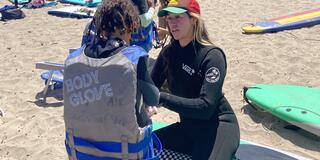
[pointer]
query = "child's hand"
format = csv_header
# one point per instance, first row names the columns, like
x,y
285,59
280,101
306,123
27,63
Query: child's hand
x,y
151,110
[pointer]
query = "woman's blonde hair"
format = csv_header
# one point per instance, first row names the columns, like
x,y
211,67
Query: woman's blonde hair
x,y
200,32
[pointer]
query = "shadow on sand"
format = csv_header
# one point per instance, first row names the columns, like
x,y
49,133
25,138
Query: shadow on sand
x,y
287,131
56,94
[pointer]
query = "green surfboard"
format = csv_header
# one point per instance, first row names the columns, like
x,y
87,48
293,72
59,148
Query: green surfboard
x,y
297,105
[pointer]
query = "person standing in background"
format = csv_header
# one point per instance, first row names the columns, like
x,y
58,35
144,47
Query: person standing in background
x,y
144,35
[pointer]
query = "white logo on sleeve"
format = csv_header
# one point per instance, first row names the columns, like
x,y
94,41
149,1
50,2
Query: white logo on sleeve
x,y
212,75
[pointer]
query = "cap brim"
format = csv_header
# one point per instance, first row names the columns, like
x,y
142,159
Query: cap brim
x,y
175,10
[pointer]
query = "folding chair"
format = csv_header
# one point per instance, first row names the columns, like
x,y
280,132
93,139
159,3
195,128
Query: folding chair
x,y
53,77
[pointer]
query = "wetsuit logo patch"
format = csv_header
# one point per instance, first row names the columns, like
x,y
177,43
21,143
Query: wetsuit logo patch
x,y
188,69
212,75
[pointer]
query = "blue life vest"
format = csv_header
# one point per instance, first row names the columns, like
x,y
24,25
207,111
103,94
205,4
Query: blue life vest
x,y
143,37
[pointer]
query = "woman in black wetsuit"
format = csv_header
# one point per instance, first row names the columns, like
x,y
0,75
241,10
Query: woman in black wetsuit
x,y
194,70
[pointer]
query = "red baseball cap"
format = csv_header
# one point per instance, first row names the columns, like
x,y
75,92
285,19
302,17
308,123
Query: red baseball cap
x,y
180,6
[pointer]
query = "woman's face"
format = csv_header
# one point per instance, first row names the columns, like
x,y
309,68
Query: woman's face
x,y
181,26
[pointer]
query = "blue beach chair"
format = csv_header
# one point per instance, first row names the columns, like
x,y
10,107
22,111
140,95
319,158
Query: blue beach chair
x,y
53,77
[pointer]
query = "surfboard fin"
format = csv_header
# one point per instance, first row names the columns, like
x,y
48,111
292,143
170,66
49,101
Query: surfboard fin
x,y
292,127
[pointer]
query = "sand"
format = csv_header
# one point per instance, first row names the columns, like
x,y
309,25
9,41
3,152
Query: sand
x,y
31,129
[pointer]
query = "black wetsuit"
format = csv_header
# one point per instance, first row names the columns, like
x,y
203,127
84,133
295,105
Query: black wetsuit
x,y
146,88
208,128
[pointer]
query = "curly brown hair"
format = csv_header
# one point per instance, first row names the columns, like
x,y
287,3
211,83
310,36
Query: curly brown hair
x,y
116,14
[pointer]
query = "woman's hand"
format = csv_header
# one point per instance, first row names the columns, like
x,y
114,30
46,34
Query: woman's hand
x,y
151,110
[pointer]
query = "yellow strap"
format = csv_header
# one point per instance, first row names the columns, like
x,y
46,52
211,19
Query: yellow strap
x,y
124,147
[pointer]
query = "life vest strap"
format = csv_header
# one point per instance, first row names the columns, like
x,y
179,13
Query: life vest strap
x,y
124,147
155,139
81,145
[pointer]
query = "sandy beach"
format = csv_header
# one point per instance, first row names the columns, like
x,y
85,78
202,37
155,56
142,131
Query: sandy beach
x,y
33,130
